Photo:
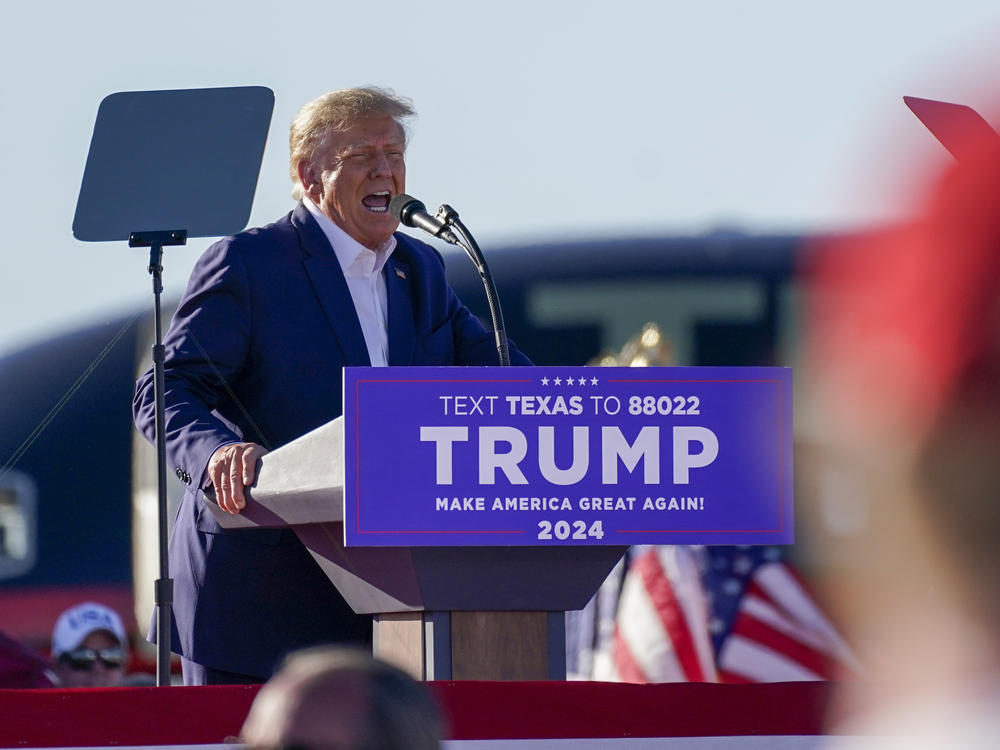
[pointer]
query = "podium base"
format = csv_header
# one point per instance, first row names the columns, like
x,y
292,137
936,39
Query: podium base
x,y
477,645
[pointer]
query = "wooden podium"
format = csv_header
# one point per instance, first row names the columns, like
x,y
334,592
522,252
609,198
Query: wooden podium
x,y
441,613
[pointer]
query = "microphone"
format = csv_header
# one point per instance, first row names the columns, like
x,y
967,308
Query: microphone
x,y
413,213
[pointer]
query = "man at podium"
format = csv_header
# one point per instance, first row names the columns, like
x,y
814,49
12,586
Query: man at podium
x,y
254,356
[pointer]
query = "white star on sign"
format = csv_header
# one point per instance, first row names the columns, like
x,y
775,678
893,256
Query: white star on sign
x,y
545,381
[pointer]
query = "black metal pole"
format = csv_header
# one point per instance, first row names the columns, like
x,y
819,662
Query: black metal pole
x,y
164,587
449,216
164,592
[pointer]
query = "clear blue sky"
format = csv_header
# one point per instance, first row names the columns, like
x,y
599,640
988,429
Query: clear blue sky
x,y
535,119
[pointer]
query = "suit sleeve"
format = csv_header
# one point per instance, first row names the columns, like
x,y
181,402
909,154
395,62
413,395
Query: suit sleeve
x,y
205,350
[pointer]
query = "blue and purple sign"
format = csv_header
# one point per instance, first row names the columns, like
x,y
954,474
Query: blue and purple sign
x,y
458,456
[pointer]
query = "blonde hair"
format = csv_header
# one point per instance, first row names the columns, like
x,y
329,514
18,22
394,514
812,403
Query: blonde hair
x,y
338,111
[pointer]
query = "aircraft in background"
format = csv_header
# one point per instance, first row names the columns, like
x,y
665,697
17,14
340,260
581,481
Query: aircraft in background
x,y
77,483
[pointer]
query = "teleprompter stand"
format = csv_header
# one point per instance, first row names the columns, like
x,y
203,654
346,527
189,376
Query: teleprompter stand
x,y
164,587
175,164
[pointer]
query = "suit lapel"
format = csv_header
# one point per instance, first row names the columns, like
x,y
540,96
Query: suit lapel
x,y
330,286
402,333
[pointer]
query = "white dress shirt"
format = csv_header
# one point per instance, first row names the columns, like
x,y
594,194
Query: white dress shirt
x,y
363,271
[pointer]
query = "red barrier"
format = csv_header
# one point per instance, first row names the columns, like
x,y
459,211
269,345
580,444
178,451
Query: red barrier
x,y
476,710
516,710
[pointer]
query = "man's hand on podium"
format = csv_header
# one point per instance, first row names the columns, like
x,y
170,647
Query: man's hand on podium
x,y
232,468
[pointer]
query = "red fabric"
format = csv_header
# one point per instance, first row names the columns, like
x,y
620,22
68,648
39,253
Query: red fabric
x,y
906,318
627,667
736,616
20,667
675,624
476,710
542,710
122,716
790,648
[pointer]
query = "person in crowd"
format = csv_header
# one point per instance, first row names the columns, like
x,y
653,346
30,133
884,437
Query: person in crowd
x,y
905,362
90,647
254,357
336,698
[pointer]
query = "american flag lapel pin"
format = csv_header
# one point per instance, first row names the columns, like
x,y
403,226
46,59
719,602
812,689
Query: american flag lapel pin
x,y
401,274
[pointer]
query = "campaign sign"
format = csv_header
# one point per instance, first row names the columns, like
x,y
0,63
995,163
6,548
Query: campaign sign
x,y
457,456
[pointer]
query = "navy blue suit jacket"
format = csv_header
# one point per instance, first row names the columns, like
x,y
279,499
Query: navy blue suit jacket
x,y
254,353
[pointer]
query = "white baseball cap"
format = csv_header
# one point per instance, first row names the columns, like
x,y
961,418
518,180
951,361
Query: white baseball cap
x,y
76,623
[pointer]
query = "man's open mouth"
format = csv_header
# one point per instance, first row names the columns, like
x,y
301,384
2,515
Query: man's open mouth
x,y
377,203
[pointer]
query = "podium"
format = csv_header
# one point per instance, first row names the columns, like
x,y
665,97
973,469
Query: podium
x,y
441,613
456,461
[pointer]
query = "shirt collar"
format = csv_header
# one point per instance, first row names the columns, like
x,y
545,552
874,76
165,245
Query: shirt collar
x,y
354,258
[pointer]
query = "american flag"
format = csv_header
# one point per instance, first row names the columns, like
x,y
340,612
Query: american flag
x,y
719,614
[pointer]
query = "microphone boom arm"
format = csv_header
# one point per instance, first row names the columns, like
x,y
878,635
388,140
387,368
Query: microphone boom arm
x,y
449,217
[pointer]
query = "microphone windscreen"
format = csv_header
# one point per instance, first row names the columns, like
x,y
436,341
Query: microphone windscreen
x,y
402,205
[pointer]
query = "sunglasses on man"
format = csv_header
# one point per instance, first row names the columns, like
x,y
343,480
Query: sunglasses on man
x,y
83,659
